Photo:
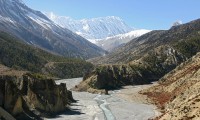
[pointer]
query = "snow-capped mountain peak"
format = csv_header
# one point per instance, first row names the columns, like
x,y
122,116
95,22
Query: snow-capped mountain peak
x,y
106,32
95,28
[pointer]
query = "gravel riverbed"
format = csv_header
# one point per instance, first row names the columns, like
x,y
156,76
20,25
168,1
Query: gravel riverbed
x,y
123,104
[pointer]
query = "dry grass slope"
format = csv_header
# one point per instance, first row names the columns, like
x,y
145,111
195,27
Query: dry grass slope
x,y
178,92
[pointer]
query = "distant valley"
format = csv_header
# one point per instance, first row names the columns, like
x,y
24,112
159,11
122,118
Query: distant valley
x,y
152,57
119,72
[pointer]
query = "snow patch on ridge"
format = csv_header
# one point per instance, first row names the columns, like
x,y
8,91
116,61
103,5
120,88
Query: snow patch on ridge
x,y
110,43
42,22
6,19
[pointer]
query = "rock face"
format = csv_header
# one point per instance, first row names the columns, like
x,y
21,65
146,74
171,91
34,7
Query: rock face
x,y
107,77
28,97
178,91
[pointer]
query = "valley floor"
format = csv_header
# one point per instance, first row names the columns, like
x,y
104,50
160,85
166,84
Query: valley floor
x,y
123,104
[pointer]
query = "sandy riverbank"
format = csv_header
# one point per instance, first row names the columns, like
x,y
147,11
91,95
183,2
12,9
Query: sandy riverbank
x,y
124,104
137,105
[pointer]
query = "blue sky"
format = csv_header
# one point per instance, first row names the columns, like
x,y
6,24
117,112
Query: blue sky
x,y
148,14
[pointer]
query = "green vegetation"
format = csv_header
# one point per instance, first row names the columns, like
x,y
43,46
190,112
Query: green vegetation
x,y
18,55
151,67
189,47
37,76
163,59
14,54
69,69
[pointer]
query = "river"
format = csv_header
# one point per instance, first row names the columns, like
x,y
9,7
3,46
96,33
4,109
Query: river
x,y
121,104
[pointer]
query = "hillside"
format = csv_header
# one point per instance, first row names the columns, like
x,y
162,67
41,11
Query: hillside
x,y
136,48
177,93
34,28
17,55
150,57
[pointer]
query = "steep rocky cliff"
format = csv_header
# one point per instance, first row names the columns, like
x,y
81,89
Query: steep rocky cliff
x,y
178,92
107,77
31,96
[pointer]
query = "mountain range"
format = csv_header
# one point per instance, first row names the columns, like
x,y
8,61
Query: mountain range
x,y
95,28
106,32
34,28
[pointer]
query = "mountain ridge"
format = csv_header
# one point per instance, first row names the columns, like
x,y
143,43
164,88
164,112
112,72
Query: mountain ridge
x,y
35,28
106,32
135,48
111,43
94,28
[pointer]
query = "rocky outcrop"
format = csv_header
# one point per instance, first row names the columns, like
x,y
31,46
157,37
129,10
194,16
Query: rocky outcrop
x,y
178,92
30,96
107,77
151,67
